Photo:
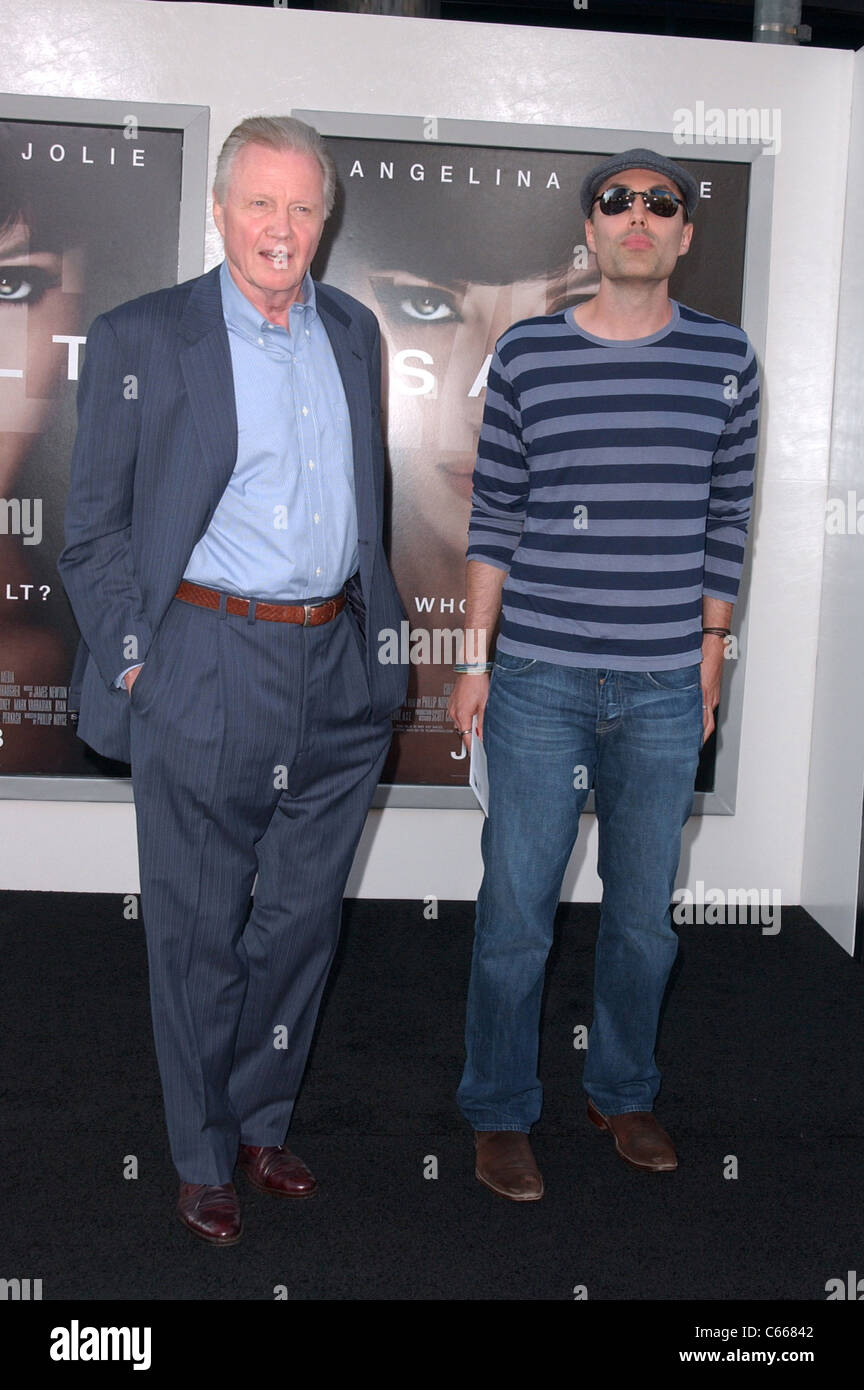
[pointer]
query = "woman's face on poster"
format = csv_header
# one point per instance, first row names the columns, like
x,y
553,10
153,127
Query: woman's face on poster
x,y
40,301
439,341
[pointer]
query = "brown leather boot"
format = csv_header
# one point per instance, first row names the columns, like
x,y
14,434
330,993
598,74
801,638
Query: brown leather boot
x,y
639,1139
506,1164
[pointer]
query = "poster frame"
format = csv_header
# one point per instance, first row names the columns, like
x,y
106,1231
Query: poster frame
x,y
194,124
754,319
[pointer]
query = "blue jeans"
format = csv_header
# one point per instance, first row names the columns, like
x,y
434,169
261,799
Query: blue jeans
x,y
549,732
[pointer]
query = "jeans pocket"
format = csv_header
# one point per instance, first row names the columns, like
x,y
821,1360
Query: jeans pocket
x,y
508,664
680,678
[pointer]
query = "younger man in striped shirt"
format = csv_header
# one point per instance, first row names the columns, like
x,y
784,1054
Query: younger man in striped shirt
x,y
611,500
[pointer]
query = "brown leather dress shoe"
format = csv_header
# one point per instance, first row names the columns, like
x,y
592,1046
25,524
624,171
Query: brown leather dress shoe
x,y
274,1169
639,1139
506,1164
213,1213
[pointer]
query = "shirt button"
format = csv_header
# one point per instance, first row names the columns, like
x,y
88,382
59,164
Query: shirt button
x,y
305,410
261,342
318,571
317,518
311,463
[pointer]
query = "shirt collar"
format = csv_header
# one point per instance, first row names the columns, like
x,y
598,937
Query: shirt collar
x,y
239,313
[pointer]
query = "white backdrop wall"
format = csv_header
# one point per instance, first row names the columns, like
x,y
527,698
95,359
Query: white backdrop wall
x,y
245,61
832,847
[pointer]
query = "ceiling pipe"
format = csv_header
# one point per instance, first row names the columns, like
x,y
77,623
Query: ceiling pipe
x,y
779,21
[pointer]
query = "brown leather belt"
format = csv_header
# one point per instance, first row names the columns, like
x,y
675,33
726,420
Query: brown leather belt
x,y
309,614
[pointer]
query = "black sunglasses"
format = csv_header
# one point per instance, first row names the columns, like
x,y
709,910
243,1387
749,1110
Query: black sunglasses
x,y
661,201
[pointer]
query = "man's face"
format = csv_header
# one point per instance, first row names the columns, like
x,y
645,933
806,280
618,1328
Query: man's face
x,y
271,222
637,245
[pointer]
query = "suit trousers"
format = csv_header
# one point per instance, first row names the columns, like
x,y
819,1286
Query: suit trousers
x,y
253,753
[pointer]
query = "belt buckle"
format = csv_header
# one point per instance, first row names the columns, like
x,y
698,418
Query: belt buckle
x,y
310,608
313,607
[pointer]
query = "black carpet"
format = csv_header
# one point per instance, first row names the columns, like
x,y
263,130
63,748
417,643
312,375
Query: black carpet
x,y
761,1049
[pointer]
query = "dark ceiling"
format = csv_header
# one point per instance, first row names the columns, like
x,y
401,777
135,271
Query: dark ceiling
x,y
833,25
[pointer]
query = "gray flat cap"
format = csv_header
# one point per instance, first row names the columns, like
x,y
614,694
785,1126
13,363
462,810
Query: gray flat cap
x,y
639,159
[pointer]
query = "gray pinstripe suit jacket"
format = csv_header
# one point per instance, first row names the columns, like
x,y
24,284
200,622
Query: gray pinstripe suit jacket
x,y
156,445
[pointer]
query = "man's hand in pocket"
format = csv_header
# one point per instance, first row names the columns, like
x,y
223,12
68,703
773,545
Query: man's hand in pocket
x,y
131,676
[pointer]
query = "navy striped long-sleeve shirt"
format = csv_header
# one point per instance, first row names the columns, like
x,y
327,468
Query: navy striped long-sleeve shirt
x,y
613,482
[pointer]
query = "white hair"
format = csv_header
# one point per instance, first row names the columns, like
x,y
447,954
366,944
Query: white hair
x,y
277,133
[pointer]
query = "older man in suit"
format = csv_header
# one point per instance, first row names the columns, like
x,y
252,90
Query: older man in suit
x,y
225,564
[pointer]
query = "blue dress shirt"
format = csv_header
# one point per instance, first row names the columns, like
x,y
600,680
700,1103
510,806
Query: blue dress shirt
x,y
285,528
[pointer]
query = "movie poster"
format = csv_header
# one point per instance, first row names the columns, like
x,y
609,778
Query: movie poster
x,y
449,245
89,217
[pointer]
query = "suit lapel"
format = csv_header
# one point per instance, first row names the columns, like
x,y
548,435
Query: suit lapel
x,y
347,349
205,362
